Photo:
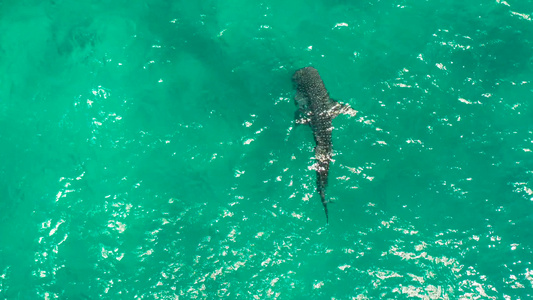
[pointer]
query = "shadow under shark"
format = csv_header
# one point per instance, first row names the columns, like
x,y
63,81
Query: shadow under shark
x,y
317,109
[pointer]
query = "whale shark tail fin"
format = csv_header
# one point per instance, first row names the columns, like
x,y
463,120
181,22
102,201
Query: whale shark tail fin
x,y
336,108
325,203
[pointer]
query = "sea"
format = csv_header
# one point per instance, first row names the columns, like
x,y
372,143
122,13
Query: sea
x,y
149,150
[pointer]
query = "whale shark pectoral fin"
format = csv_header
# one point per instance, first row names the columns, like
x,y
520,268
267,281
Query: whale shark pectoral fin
x,y
336,108
301,100
301,117
302,121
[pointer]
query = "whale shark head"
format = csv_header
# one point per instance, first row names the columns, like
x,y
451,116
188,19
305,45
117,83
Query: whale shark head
x,y
305,77
310,89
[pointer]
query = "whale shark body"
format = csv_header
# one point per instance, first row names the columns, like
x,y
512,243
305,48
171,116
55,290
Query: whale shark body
x,y
317,109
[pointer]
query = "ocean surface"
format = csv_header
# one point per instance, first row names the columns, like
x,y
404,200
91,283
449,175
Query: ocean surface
x,y
148,150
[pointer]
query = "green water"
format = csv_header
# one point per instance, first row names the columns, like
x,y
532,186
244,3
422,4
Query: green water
x,y
148,150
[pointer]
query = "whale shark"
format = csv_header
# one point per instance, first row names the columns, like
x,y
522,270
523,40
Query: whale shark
x,y
317,109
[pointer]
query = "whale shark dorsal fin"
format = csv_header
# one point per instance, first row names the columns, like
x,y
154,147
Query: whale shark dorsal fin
x,y
336,108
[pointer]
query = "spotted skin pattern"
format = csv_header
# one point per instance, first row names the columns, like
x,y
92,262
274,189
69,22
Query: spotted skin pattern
x,y
317,109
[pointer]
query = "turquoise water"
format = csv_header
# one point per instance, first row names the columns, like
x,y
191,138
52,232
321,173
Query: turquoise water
x,y
148,150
